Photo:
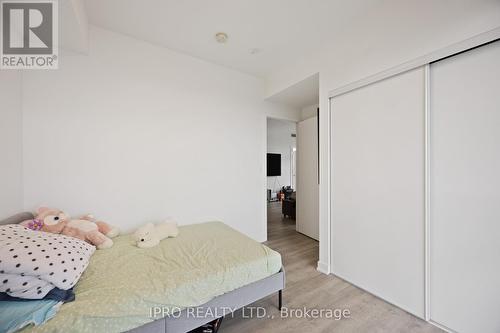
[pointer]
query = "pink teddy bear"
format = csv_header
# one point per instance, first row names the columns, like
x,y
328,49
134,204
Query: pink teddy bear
x,y
86,228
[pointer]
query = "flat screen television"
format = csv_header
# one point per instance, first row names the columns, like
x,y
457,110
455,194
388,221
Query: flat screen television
x,y
273,165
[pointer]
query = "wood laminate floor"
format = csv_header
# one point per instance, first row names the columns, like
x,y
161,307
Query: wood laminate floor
x,y
306,287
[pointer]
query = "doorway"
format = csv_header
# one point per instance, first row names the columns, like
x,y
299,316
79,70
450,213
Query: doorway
x,y
281,159
292,174
293,196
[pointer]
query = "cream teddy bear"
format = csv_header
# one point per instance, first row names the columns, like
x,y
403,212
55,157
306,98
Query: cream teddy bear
x,y
150,234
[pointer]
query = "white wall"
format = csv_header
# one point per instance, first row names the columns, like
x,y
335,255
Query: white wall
x,y
280,141
379,38
10,143
133,132
309,111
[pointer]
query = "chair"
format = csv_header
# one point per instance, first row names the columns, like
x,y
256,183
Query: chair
x,y
288,206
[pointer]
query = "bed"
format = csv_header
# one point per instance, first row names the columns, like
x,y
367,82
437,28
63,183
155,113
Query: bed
x,y
209,267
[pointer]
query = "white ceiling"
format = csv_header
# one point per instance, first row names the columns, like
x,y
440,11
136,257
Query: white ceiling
x,y
73,26
281,29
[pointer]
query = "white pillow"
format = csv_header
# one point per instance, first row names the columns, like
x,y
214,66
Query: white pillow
x,y
34,262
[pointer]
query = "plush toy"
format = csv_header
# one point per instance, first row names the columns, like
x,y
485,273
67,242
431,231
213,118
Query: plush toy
x,y
86,228
150,235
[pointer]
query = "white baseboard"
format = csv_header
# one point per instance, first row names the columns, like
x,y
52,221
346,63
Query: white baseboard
x,y
444,328
323,267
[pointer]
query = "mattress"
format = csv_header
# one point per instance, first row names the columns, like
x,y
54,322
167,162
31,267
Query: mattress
x,y
123,284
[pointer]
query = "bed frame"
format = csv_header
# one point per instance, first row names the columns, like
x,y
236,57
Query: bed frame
x,y
185,321
235,299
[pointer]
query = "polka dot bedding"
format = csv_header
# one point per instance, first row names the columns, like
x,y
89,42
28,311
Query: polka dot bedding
x,y
34,262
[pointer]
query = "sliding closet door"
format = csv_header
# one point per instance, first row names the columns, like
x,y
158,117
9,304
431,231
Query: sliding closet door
x,y
465,191
378,189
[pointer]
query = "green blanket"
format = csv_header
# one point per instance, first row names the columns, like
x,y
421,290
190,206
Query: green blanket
x,y
122,284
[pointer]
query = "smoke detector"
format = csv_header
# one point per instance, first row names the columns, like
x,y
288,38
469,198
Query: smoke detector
x,y
221,37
